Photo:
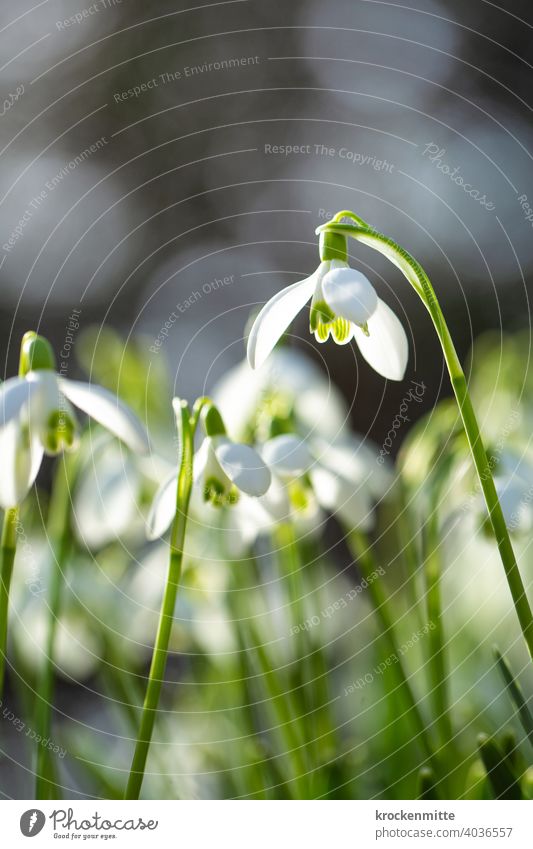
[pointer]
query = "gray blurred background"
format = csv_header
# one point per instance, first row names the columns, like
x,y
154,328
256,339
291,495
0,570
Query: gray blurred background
x,y
139,167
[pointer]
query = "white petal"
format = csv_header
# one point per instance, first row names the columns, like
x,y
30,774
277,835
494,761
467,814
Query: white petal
x,y
106,497
107,409
386,348
243,466
350,294
350,504
163,508
21,456
206,466
287,455
356,460
275,506
14,393
275,317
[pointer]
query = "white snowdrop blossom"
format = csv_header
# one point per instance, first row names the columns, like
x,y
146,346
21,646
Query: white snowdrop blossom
x,y
344,305
37,418
281,396
343,476
222,469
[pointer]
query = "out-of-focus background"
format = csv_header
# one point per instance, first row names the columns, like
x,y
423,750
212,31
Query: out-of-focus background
x,y
142,161
163,168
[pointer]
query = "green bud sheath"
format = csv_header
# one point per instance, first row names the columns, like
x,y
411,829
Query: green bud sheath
x,y
35,354
212,421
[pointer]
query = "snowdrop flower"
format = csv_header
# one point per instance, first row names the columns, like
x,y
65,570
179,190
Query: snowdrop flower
x,y
112,490
344,305
222,469
344,476
282,395
37,418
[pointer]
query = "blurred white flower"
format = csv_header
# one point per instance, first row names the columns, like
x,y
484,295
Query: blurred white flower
x,y
344,476
344,305
36,417
111,492
288,389
513,479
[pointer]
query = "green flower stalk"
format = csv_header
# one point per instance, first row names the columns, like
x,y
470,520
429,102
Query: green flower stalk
x,y
8,550
355,303
186,429
221,470
60,534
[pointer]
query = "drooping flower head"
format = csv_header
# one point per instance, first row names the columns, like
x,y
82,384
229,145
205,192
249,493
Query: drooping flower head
x,y
344,305
221,470
37,418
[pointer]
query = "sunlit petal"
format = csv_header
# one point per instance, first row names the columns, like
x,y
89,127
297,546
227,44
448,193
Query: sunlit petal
x,y
275,317
14,393
21,455
163,508
243,466
386,347
107,409
350,294
287,455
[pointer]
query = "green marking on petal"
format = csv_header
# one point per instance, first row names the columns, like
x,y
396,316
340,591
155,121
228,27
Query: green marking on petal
x,y
341,329
60,432
322,332
214,491
232,496
364,328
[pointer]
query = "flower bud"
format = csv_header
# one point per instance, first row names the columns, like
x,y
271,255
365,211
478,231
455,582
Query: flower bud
x,y
36,354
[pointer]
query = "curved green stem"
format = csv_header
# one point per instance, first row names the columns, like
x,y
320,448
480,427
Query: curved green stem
x,y
186,428
419,280
8,550
60,535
